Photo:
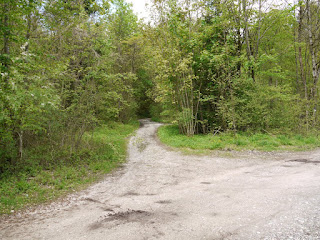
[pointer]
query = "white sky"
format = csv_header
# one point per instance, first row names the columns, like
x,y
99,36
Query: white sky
x,y
139,8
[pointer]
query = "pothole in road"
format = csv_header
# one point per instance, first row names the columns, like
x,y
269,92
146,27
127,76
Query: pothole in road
x,y
288,166
130,215
205,183
164,201
91,200
302,160
130,193
121,217
114,219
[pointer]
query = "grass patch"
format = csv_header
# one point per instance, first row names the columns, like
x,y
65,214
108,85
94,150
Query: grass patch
x,y
33,184
169,134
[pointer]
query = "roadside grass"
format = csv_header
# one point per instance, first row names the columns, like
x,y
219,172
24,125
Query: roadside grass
x,y
169,134
34,184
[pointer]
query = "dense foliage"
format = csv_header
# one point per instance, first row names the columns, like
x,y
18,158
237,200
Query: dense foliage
x,y
238,65
208,65
66,67
37,185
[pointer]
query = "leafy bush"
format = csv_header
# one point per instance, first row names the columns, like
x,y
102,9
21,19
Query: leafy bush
x,y
42,176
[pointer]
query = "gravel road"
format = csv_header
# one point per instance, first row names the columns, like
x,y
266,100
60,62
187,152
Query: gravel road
x,y
164,194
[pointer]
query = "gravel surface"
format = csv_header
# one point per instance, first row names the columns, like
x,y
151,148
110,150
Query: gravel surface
x,y
164,194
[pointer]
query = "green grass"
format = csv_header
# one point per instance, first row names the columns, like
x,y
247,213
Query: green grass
x,y
34,184
169,134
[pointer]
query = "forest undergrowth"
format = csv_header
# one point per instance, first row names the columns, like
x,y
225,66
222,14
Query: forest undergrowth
x,y
32,183
170,135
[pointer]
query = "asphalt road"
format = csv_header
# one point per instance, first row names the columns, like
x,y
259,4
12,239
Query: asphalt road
x,y
164,194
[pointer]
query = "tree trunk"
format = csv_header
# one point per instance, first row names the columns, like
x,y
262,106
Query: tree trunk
x,y
20,144
6,41
247,38
28,31
246,30
302,70
313,53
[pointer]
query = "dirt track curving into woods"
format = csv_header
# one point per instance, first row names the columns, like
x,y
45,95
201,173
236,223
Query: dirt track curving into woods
x,y
164,194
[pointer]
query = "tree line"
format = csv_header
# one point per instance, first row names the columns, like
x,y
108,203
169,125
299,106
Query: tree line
x,y
207,65
239,65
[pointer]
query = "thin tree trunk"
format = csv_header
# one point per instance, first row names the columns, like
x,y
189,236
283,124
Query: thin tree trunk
x,y
21,144
247,38
296,60
6,41
315,71
246,30
258,34
302,70
28,32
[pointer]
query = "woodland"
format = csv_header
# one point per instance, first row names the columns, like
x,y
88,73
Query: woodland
x,y
209,66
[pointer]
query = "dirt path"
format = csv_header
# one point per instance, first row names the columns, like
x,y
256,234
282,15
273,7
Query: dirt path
x,y
162,194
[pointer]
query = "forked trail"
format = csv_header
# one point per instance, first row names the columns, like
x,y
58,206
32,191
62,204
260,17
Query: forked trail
x,y
163,194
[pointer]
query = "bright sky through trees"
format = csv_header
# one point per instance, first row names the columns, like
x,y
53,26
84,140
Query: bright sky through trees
x,y
139,7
